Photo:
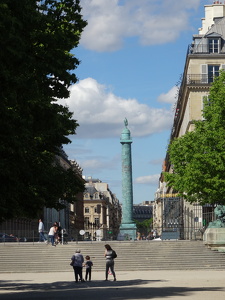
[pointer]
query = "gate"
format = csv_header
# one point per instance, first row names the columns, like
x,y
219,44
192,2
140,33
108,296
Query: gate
x,y
172,220
182,220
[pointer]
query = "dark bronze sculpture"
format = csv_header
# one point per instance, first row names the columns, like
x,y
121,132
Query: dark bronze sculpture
x,y
220,214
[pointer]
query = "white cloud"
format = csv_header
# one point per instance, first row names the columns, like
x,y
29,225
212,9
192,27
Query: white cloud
x,y
100,113
93,164
151,179
100,163
152,22
169,97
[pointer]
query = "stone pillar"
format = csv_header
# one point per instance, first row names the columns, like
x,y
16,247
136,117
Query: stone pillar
x,y
128,227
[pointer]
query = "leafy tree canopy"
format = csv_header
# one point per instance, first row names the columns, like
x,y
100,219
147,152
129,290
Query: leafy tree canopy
x,y
144,226
198,157
36,66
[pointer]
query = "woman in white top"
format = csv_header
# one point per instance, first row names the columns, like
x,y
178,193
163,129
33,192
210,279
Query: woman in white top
x,y
51,234
109,262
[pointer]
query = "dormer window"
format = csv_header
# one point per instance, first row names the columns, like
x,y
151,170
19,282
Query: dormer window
x,y
214,45
214,42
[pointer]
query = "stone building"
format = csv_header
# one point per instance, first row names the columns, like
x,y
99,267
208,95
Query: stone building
x,y
142,211
102,211
71,218
205,58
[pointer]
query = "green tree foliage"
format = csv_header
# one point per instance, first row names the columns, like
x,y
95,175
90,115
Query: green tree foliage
x,y
145,226
36,66
198,157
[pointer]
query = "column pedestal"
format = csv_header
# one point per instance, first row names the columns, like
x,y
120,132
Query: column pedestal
x,y
128,232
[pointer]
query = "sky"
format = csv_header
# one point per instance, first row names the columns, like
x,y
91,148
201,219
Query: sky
x,y
132,55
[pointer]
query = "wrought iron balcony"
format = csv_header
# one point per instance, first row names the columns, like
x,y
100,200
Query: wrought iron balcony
x,y
199,79
206,48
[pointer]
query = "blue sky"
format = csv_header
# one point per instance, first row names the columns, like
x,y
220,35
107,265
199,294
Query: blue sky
x,y
132,55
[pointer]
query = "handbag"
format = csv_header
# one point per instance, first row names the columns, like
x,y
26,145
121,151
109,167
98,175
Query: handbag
x,y
72,261
114,255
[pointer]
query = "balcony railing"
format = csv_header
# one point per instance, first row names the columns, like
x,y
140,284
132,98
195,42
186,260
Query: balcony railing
x,y
199,79
205,48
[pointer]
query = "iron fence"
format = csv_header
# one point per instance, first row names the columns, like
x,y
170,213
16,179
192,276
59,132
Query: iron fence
x,y
199,79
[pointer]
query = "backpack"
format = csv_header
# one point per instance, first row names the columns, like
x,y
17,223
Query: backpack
x,y
114,255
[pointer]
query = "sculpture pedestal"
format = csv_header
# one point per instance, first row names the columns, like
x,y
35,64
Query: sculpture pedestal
x,y
214,238
128,232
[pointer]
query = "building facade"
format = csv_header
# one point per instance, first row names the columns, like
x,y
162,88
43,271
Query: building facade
x,y
70,218
205,58
142,215
102,211
143,211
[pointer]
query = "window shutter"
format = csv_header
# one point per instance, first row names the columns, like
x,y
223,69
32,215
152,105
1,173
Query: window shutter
x,y
204,71
98,209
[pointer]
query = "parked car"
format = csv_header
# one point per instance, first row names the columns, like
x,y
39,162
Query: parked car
x,y
5,238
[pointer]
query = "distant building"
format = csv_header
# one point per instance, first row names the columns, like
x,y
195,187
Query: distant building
x,y
143,211
71,217
102,211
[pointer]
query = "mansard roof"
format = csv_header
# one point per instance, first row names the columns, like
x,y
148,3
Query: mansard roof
x,y
91,190
217,28
213,35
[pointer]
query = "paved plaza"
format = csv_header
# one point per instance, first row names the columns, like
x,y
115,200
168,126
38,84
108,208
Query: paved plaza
x,y
193,285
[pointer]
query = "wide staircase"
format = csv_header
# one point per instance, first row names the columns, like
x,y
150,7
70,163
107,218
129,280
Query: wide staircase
x,y
138,255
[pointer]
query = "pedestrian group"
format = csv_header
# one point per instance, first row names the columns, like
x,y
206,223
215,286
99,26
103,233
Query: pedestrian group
x,y
54,234
77,262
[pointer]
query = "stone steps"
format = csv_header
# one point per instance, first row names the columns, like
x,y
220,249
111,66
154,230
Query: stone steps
x,y
138,255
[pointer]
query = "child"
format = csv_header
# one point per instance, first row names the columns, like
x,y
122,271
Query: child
x,y
88,264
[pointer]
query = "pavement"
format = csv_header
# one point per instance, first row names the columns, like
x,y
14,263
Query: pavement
x,y
198,284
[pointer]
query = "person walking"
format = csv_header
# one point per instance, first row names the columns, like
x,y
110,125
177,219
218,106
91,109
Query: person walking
x,y
41,229
77,261
56,224
51,234
58,233
109,261
88,264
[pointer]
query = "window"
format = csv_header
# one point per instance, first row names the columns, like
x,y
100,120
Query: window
x,y
214,45
86,210
86,221
97,221
213,71
98,209
209,72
